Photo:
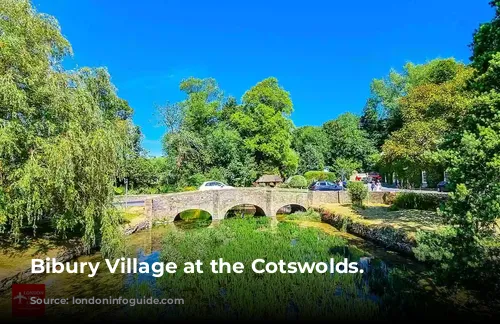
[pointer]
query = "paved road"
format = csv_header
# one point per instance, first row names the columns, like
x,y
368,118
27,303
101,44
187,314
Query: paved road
x,y
129,203
433,191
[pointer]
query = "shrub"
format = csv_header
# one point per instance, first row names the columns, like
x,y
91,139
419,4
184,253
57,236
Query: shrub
x,y
119,190
190,188
196,180
420,201
284,185
312,176
297,181
357,191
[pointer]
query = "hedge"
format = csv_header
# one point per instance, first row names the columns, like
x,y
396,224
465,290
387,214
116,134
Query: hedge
x,y
312,176
420,201
297,181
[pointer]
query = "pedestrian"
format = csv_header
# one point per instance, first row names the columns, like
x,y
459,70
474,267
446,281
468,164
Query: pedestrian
x,y
372,185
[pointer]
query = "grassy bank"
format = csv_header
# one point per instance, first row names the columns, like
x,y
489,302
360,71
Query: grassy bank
x,y
394,229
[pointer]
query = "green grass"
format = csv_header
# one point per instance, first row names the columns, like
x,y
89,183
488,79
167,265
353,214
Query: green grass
x,y
251,295
309,215
409,220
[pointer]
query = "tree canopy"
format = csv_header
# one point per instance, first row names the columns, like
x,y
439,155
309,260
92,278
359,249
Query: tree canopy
x,y
62,133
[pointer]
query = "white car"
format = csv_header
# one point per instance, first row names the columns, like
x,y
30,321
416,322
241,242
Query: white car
x,y
214,185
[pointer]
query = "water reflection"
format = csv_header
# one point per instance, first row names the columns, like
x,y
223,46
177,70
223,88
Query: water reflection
x,y
146,246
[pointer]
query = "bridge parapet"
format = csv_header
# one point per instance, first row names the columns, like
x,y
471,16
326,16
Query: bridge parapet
x,y
166,207
218,202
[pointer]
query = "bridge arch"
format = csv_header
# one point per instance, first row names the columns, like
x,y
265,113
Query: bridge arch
x,y
193,213
290,208
244,209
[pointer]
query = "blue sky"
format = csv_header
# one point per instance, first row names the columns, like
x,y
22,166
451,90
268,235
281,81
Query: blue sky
x,y
325,53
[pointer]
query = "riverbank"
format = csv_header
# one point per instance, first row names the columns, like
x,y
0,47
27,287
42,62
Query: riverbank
x,y
394,230
15,259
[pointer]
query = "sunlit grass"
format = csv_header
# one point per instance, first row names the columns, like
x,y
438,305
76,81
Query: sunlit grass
x,y
251,295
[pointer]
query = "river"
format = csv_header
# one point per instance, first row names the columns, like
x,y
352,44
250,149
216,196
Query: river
x,y
147,245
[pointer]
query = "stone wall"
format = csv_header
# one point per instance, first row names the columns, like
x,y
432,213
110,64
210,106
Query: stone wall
x,y
385,235
217,203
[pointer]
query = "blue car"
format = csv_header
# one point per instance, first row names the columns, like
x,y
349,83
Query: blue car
x,y
442,186
324,186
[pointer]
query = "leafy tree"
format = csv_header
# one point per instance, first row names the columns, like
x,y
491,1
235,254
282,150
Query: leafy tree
x,y
430,109
345,167
347,140
202,105
310,158
485,42
312,176
311,143
462,251
62,134
265,128
171,116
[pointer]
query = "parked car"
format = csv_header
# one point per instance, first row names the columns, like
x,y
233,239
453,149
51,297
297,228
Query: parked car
x,y
324,186
214,185
442,186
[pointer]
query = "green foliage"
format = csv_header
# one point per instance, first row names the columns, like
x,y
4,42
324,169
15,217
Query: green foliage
x,y
312,176
196,180
119,191
434,102
63,135
297,181
485,43
357,192
243,295
312,144
347,140
220,140
472,211
345,167
265,127
421,201
309,215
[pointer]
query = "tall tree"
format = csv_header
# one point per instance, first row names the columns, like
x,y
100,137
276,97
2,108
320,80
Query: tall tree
x,y
430,109
61,134
311,143
463,250
347,140
264,124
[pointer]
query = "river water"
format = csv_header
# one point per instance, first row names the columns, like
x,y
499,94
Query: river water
x,y
146,246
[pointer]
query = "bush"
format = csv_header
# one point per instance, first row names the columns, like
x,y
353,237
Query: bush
x,y
196,180
357,191
312,176
297,181
119,190
190,188
420,201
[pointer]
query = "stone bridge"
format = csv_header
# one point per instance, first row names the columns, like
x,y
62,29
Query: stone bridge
x,y
218,202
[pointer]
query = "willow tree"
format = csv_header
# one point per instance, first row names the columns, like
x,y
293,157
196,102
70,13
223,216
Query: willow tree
x,y
62,134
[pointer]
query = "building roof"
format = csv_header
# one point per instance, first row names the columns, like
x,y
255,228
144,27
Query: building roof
x,y
269,178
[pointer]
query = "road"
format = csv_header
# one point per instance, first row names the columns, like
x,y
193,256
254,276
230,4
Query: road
x,y
129,203
433,191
